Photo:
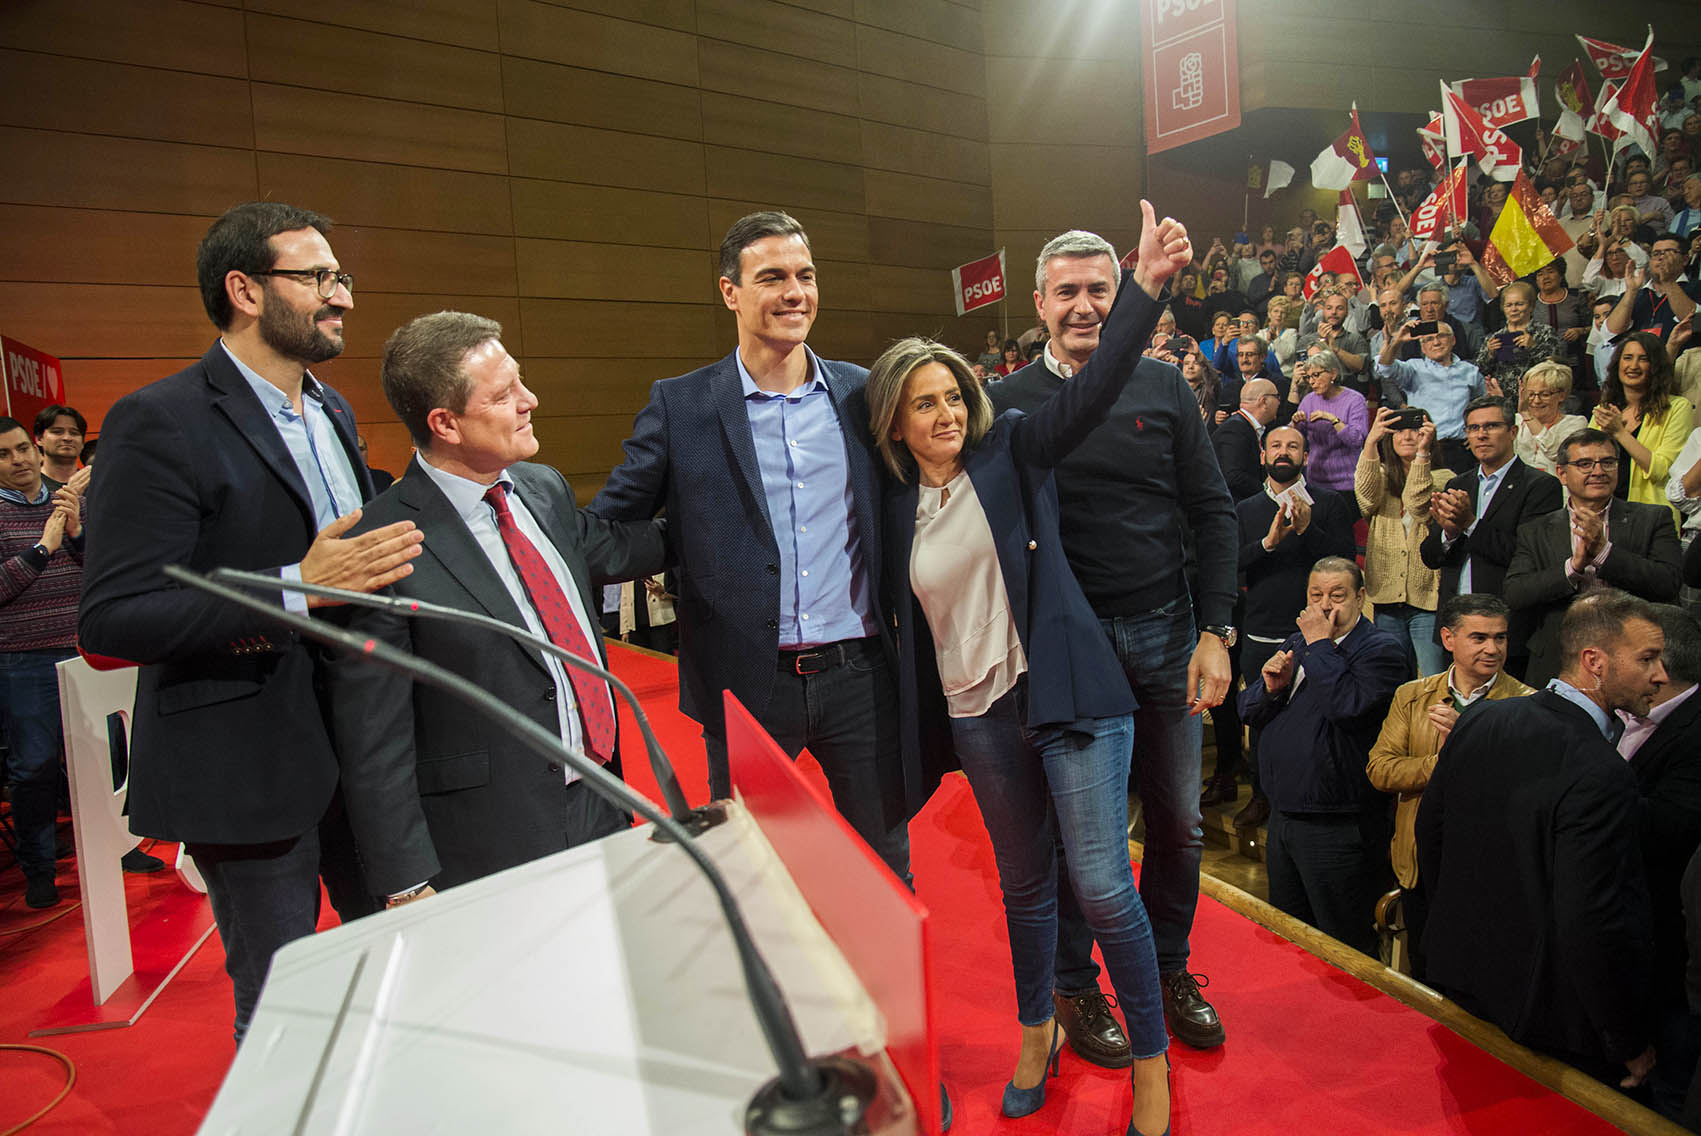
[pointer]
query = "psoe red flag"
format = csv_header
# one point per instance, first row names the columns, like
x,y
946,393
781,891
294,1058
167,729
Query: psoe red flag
x,y
979,282
1433,139
1500,102
1345,160
1526,236
1444,206
33,379
1612,60
1497,155
1338,260
1634,107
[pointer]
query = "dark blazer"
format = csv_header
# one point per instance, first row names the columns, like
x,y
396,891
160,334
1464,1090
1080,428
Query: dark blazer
x,y
1276,580
1668,775
1073,671
1692,564
1525,493
435,789
1313,744
691,453
1239,456
228,742
1646,561
1528,847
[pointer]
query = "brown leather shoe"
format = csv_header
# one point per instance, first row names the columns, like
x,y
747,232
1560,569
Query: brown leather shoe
x,y
1254,813
1219,791
1092,1030
1191,1019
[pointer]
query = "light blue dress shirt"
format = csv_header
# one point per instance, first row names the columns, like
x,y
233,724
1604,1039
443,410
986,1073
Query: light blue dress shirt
x,y
1443,390
1609,726
319,455
467,499
800,449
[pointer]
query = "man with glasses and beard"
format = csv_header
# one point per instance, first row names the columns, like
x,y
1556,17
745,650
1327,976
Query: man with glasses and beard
x,y
244,460
1596,538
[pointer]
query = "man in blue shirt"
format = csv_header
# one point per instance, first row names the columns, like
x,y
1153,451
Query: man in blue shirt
x,y
1439,382
765,465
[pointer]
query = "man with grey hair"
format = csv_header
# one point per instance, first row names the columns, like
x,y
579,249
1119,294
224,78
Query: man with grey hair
x,y
441,794
1129,497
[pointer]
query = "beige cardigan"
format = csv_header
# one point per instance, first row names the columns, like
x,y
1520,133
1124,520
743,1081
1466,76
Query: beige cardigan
x,y
1394,571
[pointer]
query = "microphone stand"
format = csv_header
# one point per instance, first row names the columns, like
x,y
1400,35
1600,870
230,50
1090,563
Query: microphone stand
x,y
694,821
827,1097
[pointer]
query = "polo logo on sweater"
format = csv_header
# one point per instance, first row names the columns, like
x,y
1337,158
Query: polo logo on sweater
x,y
1139,423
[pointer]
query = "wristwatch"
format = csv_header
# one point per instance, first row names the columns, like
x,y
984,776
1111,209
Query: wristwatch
x,y
1229,635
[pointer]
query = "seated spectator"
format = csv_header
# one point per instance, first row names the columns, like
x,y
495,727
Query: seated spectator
x,y
1663,748
1394,482
1513,349
1687,221
1542,425
1318,703
1651,209
1284,530
1647,422
1335,421
1239,439
1528,847
1561,308
1439,382
1596,537
1657,299
1012,360
1473,635
1478,515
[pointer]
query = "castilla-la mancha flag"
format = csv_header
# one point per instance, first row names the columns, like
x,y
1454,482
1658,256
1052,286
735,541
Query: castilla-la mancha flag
x,y
1525,237
1346,160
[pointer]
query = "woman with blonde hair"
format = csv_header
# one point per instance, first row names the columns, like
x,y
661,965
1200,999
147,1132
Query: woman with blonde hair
x,y
1542,422
1394,482
1001,657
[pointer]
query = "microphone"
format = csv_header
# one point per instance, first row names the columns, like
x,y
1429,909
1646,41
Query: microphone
x,y
827,1097
693,820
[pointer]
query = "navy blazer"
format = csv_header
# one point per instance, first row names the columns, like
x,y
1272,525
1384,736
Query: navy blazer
x,y
228,745
1073,671
436,790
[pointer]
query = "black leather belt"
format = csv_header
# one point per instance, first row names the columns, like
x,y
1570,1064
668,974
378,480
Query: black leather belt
x,y
825,656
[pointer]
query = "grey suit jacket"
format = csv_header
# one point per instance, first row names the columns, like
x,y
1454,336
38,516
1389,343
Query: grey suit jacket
x,y
437,790
1645,561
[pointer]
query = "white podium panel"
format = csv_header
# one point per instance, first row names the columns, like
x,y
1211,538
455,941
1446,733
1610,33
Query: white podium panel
x,y
595,991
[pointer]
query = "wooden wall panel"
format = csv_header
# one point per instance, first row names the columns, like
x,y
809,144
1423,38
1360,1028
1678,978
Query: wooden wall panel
x,y
925,108
832,235
926,244
465,23
408,260
900,149
567,211
921,61
779,27
675,14
51,92
734,69
531,89
617,386
928,199
603,157
577,270
778,129
299,53
93,385
95,246
45,167
294,120
108,320
798,182
575,327
940,21
585,39
377,314
176,34
397,197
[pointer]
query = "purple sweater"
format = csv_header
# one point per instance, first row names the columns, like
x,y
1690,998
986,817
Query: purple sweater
x,y
38,606
1334,455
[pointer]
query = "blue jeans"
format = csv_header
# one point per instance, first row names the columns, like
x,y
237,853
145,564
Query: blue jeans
x,y
1155,648
29,711
1414,627
1035,787
847,715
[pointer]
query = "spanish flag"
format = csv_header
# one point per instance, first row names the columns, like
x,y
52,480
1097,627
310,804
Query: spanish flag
x,y
1525,237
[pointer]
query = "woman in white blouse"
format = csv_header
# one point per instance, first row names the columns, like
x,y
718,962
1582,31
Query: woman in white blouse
x,y
1541,424
999,649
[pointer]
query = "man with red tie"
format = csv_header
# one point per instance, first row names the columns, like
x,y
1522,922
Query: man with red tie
x,y
439,793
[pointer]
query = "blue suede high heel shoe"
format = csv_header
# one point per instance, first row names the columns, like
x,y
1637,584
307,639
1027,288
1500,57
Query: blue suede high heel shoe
x,y
1133,1131
1021,1102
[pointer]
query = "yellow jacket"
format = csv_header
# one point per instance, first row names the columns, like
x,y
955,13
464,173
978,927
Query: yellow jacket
x,y
1664,436
1404,756
1394,571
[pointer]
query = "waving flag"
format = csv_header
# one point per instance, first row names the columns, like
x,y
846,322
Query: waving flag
x,y
1349,226
1281,176
1525,237
1443,206
1598,123
1611,60
1338,260
1346,160
1501,102
1576,104
1634,107
1433,139
1497,155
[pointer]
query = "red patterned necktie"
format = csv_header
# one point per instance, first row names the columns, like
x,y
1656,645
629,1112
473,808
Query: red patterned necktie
x,y
596,713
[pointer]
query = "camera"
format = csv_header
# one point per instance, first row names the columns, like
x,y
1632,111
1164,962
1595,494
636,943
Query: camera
x,y
1409,418
1447,261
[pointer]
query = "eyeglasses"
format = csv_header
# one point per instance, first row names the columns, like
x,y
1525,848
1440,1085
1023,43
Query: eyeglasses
x,y
325,279
1540,396
1587,465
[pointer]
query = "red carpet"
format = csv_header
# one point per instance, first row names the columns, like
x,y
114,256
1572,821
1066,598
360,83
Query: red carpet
x,y
1310,1049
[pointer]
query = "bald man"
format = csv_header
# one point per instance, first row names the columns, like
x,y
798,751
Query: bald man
x,y
1239,440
